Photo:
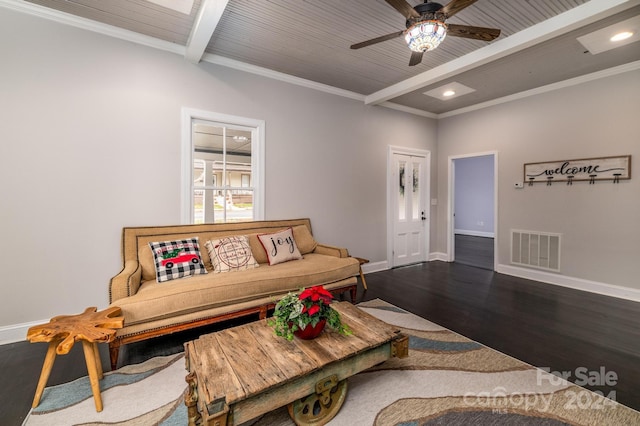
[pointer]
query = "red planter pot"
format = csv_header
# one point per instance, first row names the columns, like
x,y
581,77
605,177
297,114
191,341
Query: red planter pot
x,y
310,332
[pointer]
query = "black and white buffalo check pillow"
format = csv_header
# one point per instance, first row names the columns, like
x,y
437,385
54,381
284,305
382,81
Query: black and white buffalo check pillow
x,y
177,259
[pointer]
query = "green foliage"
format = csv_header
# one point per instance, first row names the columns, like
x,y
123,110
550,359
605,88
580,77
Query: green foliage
x,y
307,307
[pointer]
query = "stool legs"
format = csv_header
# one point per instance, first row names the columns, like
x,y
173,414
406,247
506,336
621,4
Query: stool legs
x,y
94,368
95,372
96,356
46,370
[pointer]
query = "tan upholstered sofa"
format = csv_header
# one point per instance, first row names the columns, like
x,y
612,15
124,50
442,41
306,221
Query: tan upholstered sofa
x,y
153,309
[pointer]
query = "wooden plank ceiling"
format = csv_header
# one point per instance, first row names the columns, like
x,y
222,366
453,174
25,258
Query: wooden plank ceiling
x,y
310,39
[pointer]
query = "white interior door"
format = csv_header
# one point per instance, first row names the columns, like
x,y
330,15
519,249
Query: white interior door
x,y
409,196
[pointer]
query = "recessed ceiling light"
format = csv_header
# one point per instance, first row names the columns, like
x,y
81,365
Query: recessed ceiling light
x,y
449,91
621,36
613,36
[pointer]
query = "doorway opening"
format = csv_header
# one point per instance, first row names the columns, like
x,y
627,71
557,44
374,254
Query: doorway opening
x,y
473,210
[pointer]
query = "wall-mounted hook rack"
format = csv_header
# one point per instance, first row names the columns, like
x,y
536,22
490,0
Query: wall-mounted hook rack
x,y
587,170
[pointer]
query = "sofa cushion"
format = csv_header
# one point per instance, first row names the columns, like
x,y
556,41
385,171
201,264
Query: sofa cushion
x,y
231,254
304,240
154,301
280,246
257,250
147,263
177,259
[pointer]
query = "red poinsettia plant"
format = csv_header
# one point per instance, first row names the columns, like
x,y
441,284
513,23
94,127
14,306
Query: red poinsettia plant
x,y
308,307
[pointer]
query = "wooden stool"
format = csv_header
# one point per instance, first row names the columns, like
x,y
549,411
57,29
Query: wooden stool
x,y
63,331
362,262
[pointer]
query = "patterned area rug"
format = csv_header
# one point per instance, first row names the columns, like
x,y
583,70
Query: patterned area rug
x,y
446,380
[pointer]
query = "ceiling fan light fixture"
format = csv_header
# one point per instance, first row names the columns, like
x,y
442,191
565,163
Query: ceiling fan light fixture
x,y
425,35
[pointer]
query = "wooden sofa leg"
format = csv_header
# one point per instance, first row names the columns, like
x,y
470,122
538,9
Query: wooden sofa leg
x,y
353,290
114,350
263,312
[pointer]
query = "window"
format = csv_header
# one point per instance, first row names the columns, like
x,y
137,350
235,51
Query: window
x,y
222,168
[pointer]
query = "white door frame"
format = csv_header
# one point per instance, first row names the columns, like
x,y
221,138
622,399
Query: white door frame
x,y
451,205
391,151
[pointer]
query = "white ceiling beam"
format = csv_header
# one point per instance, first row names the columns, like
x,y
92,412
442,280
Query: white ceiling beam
x,y
577,17
205,24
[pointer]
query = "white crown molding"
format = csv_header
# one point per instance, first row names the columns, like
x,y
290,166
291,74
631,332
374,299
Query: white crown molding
x,y
111,31
287,78
87,24
620,69
276,75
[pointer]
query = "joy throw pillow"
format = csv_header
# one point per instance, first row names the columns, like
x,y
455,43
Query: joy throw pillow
x,y
280,247
177,259
231,254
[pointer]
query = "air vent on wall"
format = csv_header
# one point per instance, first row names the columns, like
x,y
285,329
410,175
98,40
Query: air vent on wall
x,y
539,250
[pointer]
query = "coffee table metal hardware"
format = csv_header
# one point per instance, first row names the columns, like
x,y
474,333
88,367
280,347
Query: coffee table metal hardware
x,y
320,407
308,376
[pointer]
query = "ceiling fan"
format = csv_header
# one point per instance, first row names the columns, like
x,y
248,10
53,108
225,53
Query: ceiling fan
x,y
426,27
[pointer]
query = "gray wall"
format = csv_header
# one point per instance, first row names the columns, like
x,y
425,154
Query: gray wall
x,y
474,195
91,143
598,223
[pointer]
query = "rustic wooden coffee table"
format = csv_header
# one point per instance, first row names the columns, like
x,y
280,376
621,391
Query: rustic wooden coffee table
x,y
243,372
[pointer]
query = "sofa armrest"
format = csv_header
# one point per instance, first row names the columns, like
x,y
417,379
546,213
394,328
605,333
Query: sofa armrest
x,y
127,282
331,250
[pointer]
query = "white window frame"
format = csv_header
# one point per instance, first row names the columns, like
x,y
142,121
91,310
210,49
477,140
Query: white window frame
x,y
257,159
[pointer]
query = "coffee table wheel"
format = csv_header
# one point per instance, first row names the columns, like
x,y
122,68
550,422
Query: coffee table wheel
x,y
320,407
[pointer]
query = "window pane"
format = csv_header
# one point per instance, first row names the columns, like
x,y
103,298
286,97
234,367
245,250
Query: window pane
x,y
198,210
198,173
237,208
222,165
415,193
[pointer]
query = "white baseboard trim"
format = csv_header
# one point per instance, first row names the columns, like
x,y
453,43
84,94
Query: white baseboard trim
x,y
439,256
572,282
17,332
375,267
474,233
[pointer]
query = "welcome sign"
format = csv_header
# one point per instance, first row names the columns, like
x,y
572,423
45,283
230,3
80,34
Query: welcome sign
x,y
587,169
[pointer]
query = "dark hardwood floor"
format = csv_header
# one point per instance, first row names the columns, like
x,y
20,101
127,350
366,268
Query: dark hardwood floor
x,y
542,324
474,251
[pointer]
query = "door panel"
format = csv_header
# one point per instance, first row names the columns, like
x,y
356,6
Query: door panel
x,y
410,222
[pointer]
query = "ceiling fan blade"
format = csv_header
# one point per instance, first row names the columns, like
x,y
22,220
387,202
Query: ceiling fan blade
x,y
403,7
456,6
476,33
377,40
416,58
